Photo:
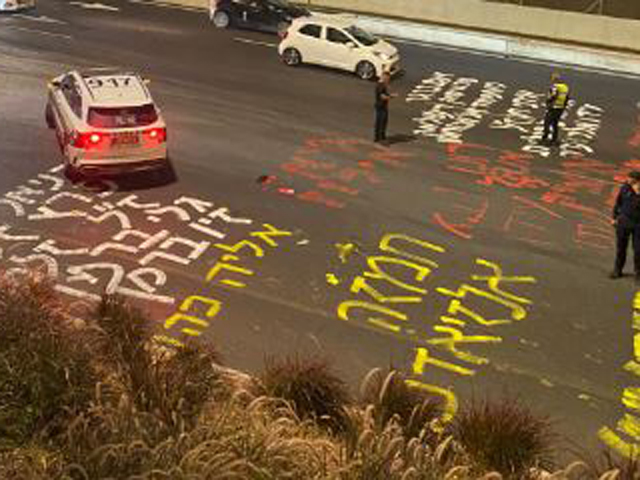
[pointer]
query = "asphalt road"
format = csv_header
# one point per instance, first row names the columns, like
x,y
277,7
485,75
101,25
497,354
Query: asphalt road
x,y
479,261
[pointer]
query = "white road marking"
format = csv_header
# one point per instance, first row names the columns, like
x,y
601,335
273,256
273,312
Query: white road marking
x,y
255,42
597,71
40,32
39,18
168,5
95,6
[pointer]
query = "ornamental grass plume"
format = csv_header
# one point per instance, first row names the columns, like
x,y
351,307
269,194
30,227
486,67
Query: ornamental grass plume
x,y
171,384
309,384
504,437
415,410
46,371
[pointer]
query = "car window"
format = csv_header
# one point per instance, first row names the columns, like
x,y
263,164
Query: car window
x,y
122,117
362,36
72,95
336,36
311,30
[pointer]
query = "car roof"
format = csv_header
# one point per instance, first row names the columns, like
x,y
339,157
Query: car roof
x,y
114,89
327,20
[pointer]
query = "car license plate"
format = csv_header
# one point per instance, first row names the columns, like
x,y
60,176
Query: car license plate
x,y
126,138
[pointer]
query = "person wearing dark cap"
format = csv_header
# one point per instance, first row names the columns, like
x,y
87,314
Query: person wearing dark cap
x,y
626,220
557,101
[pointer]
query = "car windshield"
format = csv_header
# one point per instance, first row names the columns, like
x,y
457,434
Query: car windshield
x,y
362,36
122,117
280,3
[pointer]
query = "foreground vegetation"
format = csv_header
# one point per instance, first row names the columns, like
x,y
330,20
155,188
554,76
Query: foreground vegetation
x,y
93,399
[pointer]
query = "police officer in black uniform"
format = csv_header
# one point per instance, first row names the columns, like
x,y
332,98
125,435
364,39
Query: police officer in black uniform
x,y
626,219
557,101
382,107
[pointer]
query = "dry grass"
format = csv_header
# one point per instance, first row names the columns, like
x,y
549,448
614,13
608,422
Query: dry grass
x,y
414,410
505,437
312,388
98,402
45,372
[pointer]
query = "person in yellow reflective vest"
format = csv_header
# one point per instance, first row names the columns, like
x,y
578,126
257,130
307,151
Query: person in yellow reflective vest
x,y
557,101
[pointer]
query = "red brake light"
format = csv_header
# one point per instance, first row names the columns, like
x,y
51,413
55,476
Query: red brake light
x,y
283,34
86,140
158,135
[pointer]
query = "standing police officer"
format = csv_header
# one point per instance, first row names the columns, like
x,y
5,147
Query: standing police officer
x,y
626,219
557,101
382,107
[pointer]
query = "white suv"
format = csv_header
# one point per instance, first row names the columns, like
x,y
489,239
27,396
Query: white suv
x,y
106,122
338,43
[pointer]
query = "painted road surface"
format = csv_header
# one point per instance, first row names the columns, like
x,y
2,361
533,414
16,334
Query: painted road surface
x,y
465,254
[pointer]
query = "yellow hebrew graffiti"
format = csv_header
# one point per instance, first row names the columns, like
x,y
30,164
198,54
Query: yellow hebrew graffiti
x,y
423,358
517,311
360,284
385,246
493,281
346,306
214,305
613,440
456,337
450,407
421,272
270,232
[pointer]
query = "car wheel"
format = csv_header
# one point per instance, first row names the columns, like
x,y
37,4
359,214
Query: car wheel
x,y
291,57
48,116
72,172
365,70
221,19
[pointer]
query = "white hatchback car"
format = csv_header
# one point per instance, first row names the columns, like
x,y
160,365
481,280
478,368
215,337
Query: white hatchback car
x,y
337,42
16,5
106,122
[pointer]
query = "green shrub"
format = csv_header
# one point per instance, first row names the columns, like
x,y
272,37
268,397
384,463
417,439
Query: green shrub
x,y
505,437
45,363
311,387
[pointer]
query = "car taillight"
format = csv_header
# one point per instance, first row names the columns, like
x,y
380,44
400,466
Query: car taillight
x,y
158,135
283,34
86,140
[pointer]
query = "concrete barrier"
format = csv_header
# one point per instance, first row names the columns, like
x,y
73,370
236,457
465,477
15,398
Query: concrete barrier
x,y
505,45
539,23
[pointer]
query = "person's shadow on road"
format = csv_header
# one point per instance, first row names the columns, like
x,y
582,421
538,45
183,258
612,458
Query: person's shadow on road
x,y
400,138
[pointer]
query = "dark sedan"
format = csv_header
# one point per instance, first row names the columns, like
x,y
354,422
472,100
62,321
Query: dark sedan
x,y
267,15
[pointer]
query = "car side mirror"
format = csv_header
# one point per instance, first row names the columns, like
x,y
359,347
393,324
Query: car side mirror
x,y
351,45
146,81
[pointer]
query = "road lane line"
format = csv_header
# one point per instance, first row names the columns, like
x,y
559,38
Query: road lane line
x,y
41,32
255,42
95,6
39,18
168,5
